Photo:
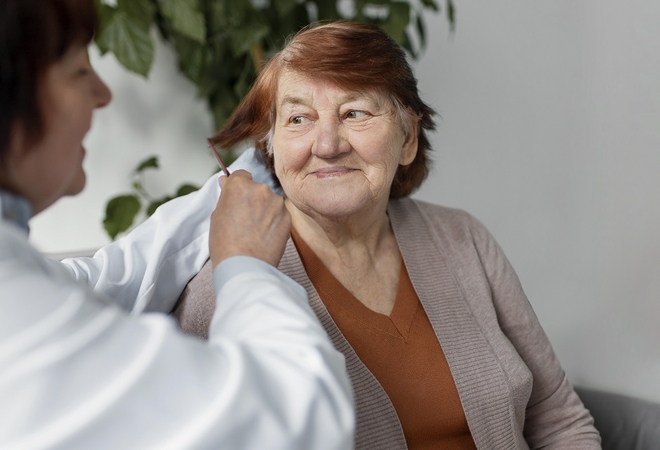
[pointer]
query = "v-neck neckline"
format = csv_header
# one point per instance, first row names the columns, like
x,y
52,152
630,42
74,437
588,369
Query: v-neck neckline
x,y
335,296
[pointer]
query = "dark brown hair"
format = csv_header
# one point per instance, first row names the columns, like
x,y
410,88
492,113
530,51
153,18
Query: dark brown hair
x,y
33,35
354,56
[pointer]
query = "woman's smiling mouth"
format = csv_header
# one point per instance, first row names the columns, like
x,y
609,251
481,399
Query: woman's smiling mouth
x,y
332,172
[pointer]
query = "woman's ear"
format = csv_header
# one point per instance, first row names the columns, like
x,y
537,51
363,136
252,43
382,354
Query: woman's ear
x,y
410,145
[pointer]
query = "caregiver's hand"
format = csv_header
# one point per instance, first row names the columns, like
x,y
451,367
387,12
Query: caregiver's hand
x,y
250,220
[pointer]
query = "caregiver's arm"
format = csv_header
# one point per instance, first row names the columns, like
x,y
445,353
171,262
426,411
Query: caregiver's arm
x,y
76,373
147,269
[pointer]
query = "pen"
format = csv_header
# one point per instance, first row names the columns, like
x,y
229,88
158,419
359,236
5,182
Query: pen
x,y
217,157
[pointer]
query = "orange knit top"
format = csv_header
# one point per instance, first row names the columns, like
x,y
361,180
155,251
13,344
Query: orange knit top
x,y
403,353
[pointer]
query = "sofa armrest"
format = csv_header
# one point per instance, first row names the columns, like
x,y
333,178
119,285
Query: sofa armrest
x,y
624,423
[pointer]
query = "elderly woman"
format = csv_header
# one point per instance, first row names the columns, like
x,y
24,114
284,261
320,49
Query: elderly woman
x,y
443,348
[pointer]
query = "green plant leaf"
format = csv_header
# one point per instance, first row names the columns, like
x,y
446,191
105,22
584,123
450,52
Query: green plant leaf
x,y
222,103
284,7
431,4
251,32
127,39
224,14
140,11
105,15
155,204
451,14
120,213
185,18
327,9
421,31
245,79
195,65
407,45
186,189
151,162
397,21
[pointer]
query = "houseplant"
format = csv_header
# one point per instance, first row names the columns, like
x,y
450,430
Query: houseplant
x,y
220,47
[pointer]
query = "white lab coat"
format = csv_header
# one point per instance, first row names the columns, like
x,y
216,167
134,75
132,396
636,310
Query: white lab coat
x,y
147,269
78,372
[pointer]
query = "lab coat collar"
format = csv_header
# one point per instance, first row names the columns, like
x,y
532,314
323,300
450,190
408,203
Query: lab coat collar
x,y
15,209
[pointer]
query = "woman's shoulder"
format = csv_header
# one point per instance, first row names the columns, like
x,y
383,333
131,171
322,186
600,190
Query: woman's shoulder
x,y
451,228
436,215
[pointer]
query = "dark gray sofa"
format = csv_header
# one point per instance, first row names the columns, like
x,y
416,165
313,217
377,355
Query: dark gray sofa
x,y
624,423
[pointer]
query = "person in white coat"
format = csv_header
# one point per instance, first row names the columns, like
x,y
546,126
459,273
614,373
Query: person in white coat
x,y
78,371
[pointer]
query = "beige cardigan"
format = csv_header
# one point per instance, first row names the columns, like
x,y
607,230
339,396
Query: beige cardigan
x,y
514,392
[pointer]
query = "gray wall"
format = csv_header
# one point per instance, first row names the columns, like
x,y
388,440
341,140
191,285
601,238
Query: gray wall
x,y
549,133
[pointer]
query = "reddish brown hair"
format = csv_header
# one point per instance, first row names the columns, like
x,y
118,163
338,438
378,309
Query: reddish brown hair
x,y
354,56
33,35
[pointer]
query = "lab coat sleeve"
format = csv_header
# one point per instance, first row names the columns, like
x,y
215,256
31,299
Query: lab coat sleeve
x,y
147,269
79,373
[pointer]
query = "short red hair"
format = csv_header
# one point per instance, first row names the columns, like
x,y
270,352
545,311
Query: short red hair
x,y
354,56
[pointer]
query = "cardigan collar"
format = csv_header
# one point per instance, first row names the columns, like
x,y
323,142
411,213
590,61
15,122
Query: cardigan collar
x,y
424,251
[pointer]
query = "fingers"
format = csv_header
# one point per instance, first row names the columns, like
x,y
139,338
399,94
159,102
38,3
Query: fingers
x,y
250,220
240,173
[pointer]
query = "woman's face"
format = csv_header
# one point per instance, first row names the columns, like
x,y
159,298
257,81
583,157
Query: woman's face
x,y
335,151
70,91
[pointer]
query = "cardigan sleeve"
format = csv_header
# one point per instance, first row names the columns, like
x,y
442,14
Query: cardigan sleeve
x,y
555,418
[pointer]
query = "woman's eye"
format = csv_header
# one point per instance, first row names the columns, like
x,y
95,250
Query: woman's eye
x,y
356,114
297,120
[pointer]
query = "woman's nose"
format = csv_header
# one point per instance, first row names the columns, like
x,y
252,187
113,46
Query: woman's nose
x,y
330,142
102,93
